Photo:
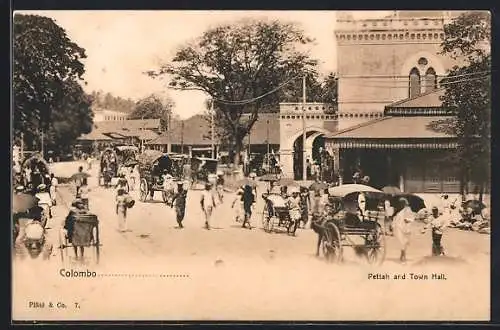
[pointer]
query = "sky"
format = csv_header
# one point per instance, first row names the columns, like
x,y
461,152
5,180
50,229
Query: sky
x,y
122,45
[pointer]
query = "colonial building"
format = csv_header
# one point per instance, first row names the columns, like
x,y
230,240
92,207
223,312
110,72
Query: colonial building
x,y
392,67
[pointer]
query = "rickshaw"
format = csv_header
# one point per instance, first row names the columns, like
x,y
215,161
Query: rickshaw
x,y
108,167
153,165
203,170
84,233
347,225
276,214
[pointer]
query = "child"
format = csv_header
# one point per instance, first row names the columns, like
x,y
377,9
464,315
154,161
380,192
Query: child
x,y
248,202
239,199
437,223
121,210
220,186
84,193
389,212
207,204
180,203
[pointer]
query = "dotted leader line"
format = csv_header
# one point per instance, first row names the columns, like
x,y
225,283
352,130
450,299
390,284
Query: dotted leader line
x,y
145,275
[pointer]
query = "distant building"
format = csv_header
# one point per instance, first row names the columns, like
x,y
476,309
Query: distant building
x,y
101,115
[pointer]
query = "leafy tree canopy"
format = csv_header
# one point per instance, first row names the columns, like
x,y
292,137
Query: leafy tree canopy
x,y
153,107
247,60
468,91
47,96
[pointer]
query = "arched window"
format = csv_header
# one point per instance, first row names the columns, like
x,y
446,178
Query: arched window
x,y
430,80
414,82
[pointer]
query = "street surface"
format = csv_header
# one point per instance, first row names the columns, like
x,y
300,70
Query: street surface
x,y
156,271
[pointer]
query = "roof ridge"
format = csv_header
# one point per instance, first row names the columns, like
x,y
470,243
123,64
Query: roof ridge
x,y
367,123
415,97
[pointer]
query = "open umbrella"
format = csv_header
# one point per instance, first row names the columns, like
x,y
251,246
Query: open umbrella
x,y
316,186
346,189
244,182
416,202
79,176
23,202
391,190
269,177
289,182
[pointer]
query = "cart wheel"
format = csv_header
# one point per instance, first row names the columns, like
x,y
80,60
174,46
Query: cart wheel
x,y
270,224
331,243
96,243
375,246
164,195
265,219
143,190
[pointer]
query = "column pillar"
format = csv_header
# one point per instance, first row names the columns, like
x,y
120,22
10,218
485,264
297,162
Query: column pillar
x,y
286,162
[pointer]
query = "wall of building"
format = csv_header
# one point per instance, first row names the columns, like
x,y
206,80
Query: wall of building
x,y
374,59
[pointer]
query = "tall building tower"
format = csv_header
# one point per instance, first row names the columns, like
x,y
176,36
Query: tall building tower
x,y
384,60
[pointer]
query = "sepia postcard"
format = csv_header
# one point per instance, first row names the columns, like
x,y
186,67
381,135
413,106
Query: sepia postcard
x,y
251,165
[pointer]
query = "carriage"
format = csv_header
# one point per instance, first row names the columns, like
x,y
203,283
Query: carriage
x,y
347,225
276,214
83,233
153,166
203,170
35,171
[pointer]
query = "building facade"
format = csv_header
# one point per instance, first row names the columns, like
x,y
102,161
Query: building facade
x,y
392,66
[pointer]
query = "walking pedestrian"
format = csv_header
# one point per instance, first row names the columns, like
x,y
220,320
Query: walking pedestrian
x,y
208,204
437,224
294,205
389,213
180,203
220,186
121,210
305,202
248,203
53,188
402,227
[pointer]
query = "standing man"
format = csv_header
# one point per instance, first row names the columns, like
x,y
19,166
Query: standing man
x,y
437,224
53,188
207,204
180,203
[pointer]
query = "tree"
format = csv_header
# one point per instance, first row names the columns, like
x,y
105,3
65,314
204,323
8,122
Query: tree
x,y
46,65
153,107
247,60
324,91
468,91
70,118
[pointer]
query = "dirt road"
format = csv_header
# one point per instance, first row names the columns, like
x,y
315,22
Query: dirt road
x,y
158,272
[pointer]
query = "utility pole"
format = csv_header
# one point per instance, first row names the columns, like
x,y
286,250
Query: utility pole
x,y
182,137
304,163
169,123
22,147
212,130
43,154
267,139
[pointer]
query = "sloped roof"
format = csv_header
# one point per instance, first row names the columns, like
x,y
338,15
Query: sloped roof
x,y
131,124
260,129
397,128
94,136
427,100
197,131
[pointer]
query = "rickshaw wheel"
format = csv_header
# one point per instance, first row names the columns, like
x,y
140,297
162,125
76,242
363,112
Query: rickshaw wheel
x,y
331,243
375,249
265,218
143,190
